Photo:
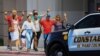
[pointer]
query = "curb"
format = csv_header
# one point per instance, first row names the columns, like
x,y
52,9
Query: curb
x,y
23,53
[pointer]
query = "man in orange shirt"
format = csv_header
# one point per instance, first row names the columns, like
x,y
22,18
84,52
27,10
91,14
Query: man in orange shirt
x,y
47,25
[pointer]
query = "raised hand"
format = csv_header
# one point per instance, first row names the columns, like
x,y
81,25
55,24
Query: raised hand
x,y
23,12
48,10
65,14
5,12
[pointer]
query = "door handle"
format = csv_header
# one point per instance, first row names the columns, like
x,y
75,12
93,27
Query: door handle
x,y
87,32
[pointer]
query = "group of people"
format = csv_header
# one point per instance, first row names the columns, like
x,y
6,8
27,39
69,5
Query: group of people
x,y
31,28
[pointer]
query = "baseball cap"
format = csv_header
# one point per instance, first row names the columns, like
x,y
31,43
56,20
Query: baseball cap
x,y
48,16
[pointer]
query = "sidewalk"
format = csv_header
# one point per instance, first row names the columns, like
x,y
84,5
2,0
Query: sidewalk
x,y
5,52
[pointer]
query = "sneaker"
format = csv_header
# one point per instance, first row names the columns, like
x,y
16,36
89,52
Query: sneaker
x,y
20,48
35,49
9,48
17,49
28,50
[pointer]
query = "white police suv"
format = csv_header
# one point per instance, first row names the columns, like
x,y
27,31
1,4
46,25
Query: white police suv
x,y
80,39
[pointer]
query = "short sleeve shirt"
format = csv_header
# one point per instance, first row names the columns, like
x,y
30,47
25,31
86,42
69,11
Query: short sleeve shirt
x,y
39,17
28,25
47,25
9,19
37,23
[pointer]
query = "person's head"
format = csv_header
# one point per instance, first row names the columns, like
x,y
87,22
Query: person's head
x,y
48,17
57,18
29,18
35,14
34,11
14,12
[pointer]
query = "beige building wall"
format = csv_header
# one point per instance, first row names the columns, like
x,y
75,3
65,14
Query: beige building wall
x,y
1,22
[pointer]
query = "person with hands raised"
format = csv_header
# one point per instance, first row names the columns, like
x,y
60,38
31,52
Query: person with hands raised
x,y
9,19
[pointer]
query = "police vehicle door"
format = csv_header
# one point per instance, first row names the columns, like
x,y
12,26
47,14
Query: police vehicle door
x,y
86,34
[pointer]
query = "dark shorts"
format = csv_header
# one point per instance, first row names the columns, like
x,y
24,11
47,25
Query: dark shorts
x,y
38,35
9,36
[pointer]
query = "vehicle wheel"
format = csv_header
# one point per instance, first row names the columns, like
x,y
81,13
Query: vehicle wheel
x,y
57,50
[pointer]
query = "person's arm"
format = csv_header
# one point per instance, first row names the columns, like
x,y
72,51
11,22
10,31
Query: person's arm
x,y
41,27
21,17
45,13
41,20
64,20
5,15
19,28
65,17
23,26
42,31
54,22
23,13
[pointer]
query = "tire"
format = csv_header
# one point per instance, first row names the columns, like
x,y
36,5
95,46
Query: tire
x,y
57,50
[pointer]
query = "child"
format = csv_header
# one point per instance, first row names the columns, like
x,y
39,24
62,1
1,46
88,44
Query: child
x,y
23,39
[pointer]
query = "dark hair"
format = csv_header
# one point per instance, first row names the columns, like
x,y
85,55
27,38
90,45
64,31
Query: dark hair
x,y
13,16
35,13
28,16
57,16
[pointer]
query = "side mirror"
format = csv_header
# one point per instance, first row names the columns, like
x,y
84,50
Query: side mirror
x,y
70,26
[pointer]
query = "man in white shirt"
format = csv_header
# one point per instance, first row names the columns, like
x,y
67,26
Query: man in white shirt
x,y
36,21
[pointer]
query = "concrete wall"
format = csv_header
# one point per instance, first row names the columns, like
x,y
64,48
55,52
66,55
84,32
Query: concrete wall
x,y
43,5
31,4
75,9
1,22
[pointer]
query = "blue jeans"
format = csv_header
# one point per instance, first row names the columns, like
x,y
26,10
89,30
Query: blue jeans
x,y
45,38
29,34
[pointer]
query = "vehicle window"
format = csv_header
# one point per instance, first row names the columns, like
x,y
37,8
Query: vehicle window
x,y
89,22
